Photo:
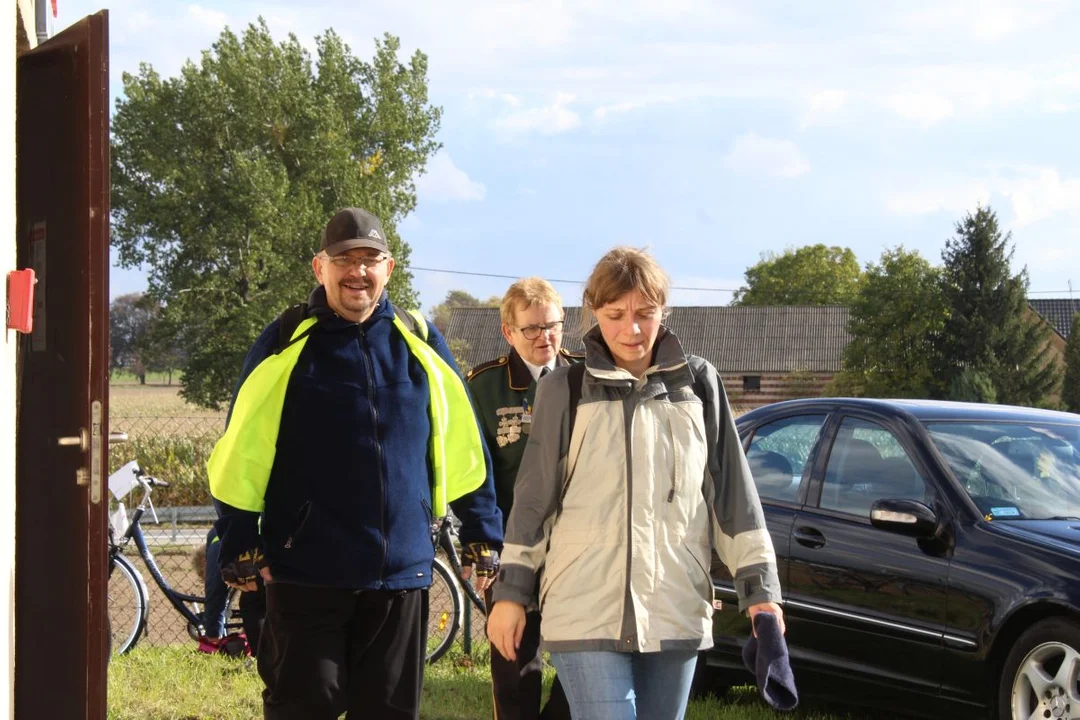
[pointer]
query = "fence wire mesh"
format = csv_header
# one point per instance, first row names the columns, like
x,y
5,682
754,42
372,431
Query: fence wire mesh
x,y
172,440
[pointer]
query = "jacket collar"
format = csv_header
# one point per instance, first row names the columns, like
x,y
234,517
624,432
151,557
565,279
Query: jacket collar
x,y
518,374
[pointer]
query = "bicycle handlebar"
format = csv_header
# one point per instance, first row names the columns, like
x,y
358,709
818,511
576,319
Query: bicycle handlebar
x,y
148,480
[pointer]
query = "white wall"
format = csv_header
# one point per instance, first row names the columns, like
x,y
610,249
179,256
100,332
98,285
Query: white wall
x,y
8,29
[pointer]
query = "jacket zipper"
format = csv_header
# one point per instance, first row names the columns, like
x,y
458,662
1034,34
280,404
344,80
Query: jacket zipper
x,y
378,451
627,593
305,511
675,468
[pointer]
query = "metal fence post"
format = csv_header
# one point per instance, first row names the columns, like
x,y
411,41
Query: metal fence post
x,y
466,626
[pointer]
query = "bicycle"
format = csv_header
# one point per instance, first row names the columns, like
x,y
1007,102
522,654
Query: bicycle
x,y
445,603
129,607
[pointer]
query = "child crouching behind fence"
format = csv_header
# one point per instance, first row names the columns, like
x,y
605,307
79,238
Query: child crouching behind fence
x,y
252,606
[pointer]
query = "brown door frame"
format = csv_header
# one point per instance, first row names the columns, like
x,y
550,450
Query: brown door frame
x,y
78,251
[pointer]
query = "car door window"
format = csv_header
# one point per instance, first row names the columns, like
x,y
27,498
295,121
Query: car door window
x,y
778,454
867,463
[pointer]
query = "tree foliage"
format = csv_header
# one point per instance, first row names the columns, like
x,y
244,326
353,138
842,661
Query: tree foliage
x,y
224,177
990,328
809,275
972,386
130,319
1070,393
137,342
896,320
440,314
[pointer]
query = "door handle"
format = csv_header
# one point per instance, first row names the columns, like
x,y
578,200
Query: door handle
x,y
116,438
82,440
809,537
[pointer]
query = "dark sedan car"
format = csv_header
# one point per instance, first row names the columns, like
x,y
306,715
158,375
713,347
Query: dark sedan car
x,y
929,554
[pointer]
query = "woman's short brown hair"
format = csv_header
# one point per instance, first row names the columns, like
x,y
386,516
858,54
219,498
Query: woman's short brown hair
x,y
525,293
622,270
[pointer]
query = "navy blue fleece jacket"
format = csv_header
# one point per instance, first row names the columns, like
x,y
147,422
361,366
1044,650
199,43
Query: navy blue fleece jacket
x,y
348,503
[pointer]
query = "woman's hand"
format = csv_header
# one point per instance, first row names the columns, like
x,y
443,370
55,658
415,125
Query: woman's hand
x,y
769,608
505,625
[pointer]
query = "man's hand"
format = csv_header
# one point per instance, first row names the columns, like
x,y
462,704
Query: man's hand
x,y
241,573
484,559
505,626
769,608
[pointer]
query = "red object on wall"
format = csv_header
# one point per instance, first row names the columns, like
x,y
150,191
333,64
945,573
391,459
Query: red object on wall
x,y
20,301
53,3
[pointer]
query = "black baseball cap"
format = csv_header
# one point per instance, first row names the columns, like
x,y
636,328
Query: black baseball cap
x,y
353,228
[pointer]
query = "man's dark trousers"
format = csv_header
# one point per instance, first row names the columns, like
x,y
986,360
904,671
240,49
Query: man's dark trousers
x,y
325,651
516,684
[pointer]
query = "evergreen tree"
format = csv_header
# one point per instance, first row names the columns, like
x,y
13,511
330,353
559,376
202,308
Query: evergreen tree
x,y
990,328
1070,393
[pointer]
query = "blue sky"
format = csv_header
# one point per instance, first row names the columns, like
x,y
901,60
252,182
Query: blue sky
x,y
709,131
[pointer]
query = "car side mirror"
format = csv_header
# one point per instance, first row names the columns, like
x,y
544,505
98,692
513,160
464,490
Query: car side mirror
x,y
905,517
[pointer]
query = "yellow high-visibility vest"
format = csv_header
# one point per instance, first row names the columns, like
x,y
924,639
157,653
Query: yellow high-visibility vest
x,y
239,466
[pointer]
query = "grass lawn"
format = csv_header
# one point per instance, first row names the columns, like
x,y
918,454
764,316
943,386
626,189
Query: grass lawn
x,y
176,683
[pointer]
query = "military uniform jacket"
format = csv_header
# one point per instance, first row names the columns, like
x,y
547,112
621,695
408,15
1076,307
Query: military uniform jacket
x,y
503,391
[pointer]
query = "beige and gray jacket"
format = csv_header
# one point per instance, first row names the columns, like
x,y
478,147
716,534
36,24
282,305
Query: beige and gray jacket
x,y
619,519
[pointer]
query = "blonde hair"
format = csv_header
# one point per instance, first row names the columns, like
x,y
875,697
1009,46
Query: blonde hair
x,y
622,270
526,293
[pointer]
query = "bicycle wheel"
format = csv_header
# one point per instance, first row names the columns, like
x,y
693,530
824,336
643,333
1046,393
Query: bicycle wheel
x,y
443,611
128,606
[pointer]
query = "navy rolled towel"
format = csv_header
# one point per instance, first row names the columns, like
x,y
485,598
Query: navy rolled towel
x,y
767,657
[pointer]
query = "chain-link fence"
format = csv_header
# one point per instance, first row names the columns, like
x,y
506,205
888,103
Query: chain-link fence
x,y
176,551
172,440
175,544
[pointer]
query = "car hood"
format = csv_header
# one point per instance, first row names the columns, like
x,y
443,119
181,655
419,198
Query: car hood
x,y
1062,534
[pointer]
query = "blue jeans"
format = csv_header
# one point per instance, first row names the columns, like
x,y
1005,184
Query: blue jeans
x,y
626,686
217,592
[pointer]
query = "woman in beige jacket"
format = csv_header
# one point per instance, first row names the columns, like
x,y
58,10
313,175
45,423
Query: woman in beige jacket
x,y
621,514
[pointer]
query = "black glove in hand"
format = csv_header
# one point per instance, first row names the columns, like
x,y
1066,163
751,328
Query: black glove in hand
x,y
245,569
483,558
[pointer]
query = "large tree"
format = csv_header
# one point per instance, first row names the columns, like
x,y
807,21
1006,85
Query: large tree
x,y
224,177
809,275
1070,392
990,328
896,319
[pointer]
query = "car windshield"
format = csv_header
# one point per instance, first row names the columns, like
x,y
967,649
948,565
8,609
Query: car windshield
x,y
1014,471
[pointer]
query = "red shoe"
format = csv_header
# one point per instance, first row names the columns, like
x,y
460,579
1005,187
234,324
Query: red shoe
x,y
210,646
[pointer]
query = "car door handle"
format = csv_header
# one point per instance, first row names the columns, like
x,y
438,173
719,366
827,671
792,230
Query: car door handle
x,y
809,537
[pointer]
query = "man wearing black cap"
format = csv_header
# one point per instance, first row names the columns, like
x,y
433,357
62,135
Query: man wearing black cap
x,y
351,430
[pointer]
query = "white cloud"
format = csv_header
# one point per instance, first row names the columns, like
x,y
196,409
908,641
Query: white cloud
x,y
753,154
1034,194
446,182
210,18
545,120
954,198
138,21
604,112
924,109
823,107
986,21
491,93
1041,193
